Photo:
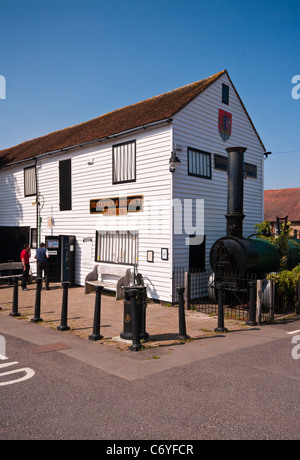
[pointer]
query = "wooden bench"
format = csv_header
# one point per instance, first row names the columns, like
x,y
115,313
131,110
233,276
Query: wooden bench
x,y
111,277
10,267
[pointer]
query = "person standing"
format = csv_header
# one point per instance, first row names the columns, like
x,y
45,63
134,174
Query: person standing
x,y
25,256
42,264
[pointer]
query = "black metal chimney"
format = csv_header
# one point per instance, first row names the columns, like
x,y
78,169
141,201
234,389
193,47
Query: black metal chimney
x,y
235,199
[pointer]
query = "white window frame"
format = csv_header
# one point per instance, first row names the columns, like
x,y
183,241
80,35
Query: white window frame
x,y
117,247
30,181
124,162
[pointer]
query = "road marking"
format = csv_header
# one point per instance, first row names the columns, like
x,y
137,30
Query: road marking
x,y
29,373
7,364
294,332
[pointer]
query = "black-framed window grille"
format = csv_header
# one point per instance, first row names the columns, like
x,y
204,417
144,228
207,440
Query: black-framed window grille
x,y
124,162
225,94
30,181
65,185
199,163
117,247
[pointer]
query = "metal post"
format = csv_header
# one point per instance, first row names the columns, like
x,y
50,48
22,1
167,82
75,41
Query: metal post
x,y
272,300
182,327
220,327
136,344
37,310
187,283
15,311
97,314
64,310
252,306
259,300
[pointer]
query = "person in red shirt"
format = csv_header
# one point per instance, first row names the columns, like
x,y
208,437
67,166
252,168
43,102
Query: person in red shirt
x,y
25,256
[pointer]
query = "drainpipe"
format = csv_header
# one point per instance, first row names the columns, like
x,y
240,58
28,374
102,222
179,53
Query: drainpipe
x,y
38,218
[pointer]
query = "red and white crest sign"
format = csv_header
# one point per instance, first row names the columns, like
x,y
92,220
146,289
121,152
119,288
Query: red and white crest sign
x,y
225,124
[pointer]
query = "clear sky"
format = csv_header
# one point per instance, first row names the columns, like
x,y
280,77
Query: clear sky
x,y
68,61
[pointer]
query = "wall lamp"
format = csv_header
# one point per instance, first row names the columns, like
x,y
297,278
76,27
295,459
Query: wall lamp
x,y
174,162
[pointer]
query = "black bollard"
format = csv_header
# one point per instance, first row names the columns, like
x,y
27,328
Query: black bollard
x,y
15,311
252,306
136,344
182,327
37,310
64,309
96,329
220,327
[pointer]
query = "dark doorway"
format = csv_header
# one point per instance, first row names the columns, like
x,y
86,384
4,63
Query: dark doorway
x,y
12,240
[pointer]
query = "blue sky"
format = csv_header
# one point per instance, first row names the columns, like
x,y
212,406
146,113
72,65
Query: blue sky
x,y
68,61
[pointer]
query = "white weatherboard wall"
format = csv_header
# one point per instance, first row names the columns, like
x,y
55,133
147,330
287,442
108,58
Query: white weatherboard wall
x,y
196,126
94,181
15,210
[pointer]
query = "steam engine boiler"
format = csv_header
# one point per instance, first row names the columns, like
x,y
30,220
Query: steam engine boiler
x,y
234,254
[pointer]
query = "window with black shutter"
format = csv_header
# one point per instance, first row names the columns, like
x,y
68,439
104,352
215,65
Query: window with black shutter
x,y
197,255
65,185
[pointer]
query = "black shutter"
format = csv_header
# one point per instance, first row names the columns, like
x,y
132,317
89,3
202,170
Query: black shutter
x,y
65,189
225,94
197,256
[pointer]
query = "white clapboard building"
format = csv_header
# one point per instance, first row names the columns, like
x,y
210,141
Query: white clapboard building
x,y
143,187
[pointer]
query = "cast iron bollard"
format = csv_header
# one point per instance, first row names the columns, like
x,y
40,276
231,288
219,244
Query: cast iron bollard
x,y
182,327
141,305
252,306
220,327
64,309
37,310
136,344
96,329
15,311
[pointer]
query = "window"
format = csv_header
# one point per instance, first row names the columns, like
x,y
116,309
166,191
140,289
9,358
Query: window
x,y
124,162
30,181
33,238
65,185
225,94
197,256
117,247
199,163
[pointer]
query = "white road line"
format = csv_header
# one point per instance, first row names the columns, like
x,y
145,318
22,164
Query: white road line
x,y
294,332
7,364
29,373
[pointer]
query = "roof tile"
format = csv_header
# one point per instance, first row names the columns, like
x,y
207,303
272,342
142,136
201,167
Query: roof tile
x,y
282,203
146,112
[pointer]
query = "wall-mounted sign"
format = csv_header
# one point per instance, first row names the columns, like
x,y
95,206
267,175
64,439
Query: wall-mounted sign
x,y
221,162
117,206
225,124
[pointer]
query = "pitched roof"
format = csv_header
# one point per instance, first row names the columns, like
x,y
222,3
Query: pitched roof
x,y
281,203
158,108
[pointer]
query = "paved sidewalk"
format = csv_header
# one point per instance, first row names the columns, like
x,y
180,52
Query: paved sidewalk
x,y
162,322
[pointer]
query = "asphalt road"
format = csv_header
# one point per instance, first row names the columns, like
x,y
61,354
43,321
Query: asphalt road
x,y
243,385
